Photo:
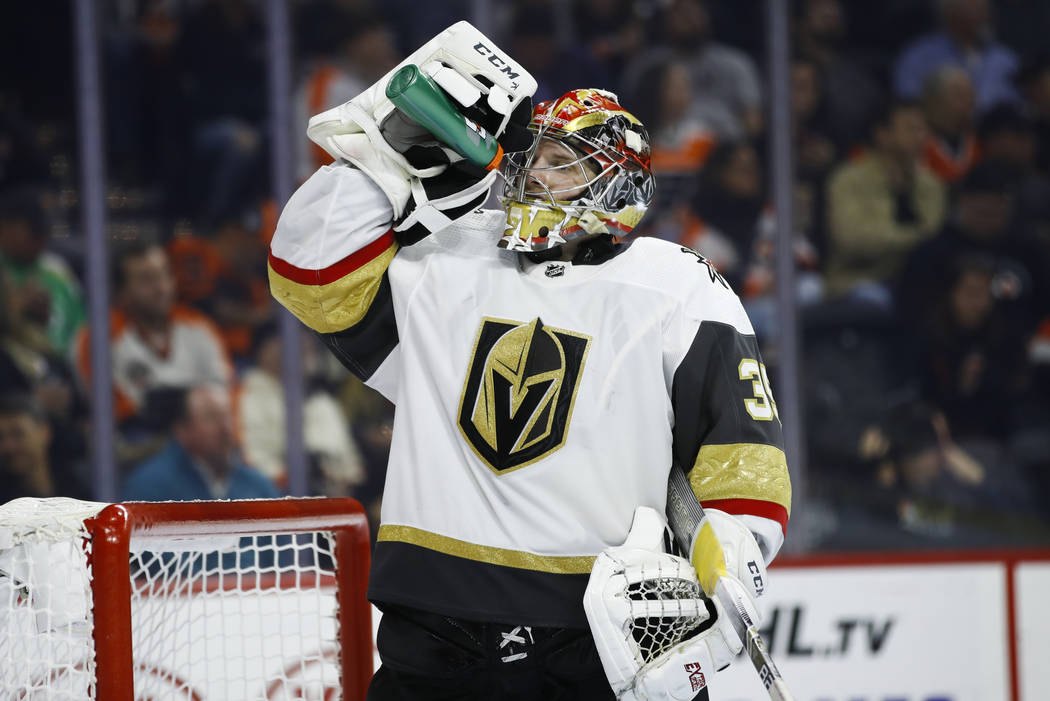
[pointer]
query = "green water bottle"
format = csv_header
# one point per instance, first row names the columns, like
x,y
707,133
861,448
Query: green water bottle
x,y
418,97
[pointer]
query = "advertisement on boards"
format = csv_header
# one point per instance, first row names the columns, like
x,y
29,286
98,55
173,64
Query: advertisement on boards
x,y
934,632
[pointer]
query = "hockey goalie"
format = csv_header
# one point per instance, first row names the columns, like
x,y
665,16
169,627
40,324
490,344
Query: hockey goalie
x,y
548,373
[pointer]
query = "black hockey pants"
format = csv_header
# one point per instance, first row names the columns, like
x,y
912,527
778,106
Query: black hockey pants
x,y
429,657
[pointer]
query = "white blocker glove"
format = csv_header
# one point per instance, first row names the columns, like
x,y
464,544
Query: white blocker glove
x,y
658,637
724,551
428,184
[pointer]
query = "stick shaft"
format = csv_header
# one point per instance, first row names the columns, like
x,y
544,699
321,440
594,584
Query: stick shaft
x,y
684,515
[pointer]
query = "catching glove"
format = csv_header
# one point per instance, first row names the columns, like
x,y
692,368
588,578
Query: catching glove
x,y
657,635
428,184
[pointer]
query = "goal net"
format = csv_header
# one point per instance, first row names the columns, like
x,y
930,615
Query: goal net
x,y
201,601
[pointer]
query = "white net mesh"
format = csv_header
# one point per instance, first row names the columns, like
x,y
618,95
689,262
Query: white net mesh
x,y
45,600
229,617
665,611
254,619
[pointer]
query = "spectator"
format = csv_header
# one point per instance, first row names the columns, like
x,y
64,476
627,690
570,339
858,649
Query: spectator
x,y
335,461
148,431
849,94
726,210
981,228
26,467
928,491
21,354
727,95
758,289
817,150
200,461
680,141
29,367
1007,136
219,276
155,342
1034,80
970,357
732,193
358,51
917,470
812,134
241,301
965,40
880,206
44,287
948,105
972,297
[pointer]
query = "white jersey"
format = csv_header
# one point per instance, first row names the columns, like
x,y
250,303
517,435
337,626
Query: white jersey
x,y
537,403
194,353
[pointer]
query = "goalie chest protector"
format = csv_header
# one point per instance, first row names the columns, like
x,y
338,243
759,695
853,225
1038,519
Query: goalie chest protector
x,y
534,412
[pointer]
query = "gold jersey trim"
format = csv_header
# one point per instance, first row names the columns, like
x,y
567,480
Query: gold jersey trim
x,y
334,306
742,471
554,564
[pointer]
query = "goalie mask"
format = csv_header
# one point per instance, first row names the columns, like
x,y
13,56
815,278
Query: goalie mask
x,y
586,173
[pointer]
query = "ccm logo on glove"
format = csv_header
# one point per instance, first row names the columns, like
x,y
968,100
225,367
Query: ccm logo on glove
x,y
753,568
696,678
497,62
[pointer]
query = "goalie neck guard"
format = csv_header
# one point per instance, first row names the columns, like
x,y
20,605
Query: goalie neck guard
x,y
607,145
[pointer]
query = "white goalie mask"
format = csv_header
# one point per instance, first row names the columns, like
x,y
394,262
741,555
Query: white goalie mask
x,y
586,173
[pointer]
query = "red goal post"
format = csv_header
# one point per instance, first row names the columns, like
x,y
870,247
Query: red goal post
x,y
186,600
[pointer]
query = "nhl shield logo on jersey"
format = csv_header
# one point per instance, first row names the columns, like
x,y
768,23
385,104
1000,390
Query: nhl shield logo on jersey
x,y
520,389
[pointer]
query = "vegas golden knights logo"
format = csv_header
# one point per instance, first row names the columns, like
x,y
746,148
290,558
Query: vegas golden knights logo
x,y
520,389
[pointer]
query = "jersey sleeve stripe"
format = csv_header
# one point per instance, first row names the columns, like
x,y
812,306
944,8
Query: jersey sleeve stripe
x,y
337,305
742,471
336,271
366,345
750,507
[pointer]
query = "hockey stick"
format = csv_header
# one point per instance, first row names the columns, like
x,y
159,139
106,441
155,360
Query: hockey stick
x,y
685,516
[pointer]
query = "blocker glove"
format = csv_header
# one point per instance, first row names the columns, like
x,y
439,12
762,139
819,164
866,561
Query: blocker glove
x,y
428,184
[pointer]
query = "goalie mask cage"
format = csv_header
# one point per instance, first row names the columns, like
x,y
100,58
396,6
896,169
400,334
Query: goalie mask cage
x,y
189,601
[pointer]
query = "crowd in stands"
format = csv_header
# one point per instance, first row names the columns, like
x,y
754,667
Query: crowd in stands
x,y
920,132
